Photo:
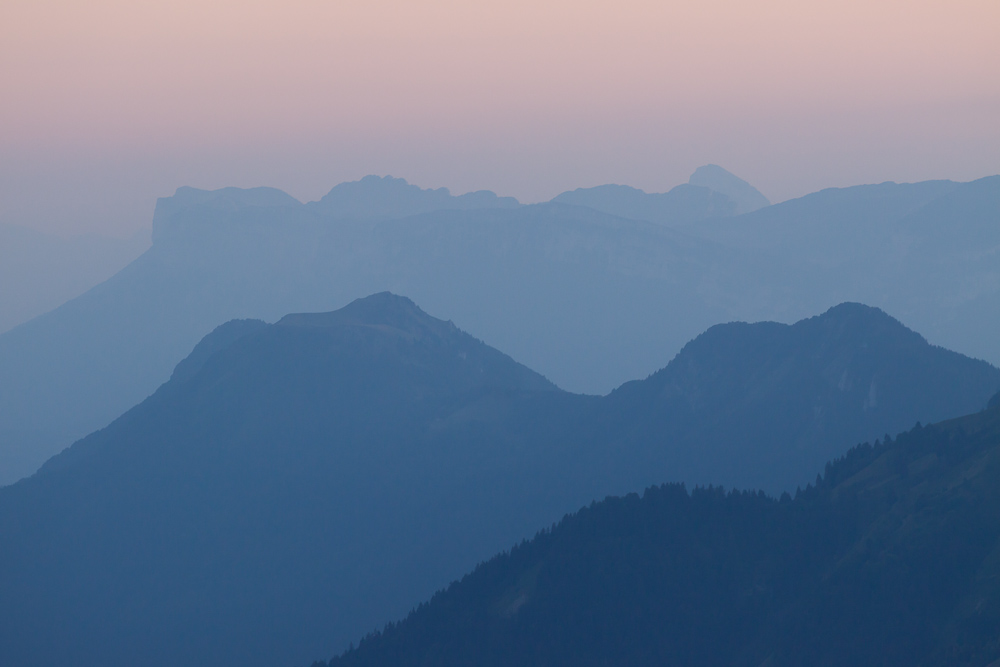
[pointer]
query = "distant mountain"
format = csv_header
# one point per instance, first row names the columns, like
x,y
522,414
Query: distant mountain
x,y
589,299
927,252
683,205
544,282
297,484
890,560
385,197
747,197
712,192
828,226
39,272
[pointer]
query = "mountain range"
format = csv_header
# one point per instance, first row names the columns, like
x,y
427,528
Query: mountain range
x,y
711,192
386,198
517,277
892,558
589,298
297,484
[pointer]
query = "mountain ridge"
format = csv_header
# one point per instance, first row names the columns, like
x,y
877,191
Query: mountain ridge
x,y
890,559
683,205
388,197
588,299
746,197
851,365
294,485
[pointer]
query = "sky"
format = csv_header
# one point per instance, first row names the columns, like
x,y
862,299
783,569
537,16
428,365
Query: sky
x,y
106,105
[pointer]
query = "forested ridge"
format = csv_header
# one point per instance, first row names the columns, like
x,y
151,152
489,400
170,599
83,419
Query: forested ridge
x,y
892,557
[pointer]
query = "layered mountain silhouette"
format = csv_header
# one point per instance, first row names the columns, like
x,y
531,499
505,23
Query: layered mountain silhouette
x,y
544,282
295,485
926,252
589,299
291,481
758,405
891,559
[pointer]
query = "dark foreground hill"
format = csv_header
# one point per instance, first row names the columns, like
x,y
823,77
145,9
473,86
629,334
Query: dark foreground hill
x,y
295,485
893,558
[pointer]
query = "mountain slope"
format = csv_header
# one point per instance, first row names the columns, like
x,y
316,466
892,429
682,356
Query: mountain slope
x,y
927,252
747,197
892,559
288,493
829,223
543,282
296,484
39,272
948,252
589,299
756,405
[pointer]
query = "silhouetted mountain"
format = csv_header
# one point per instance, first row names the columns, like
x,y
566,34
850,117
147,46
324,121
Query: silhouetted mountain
x,y
287,491
544,282
927,252
758,405
589,299
890,560
39,272
221,338
683,205
295,485
387,197
747,197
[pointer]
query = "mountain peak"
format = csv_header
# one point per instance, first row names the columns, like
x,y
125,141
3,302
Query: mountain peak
x,y
852,310
852,320
747,197
386,197
384,310
381,186
848,375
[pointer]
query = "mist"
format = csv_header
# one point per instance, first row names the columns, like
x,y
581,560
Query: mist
x,y
563,333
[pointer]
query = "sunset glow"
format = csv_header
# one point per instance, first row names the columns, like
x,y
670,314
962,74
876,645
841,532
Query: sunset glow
x,y
525,98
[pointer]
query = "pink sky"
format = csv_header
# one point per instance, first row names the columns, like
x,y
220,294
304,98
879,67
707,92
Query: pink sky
x,y
105,105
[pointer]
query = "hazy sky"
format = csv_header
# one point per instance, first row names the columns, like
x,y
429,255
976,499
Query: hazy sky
x,y
106,104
